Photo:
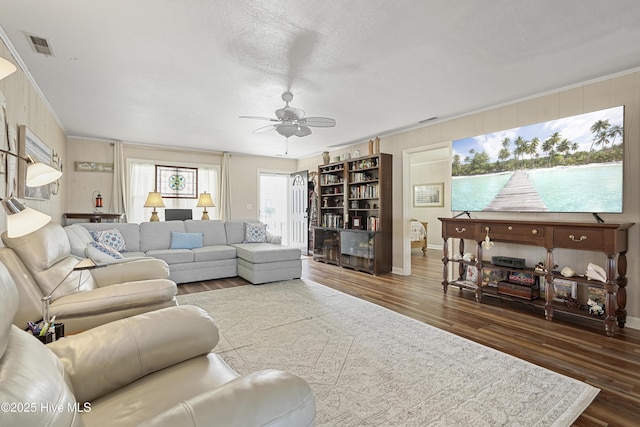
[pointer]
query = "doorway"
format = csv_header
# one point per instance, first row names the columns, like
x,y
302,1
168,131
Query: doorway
x,y
425,165
300,211
274,203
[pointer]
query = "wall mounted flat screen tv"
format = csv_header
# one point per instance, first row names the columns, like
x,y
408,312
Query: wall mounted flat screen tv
x,y
572,164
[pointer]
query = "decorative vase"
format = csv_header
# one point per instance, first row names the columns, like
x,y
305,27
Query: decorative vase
x,y
370,146
376,145
325,158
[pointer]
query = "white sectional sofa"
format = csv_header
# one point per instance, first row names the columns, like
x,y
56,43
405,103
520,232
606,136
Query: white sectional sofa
x,y
221,249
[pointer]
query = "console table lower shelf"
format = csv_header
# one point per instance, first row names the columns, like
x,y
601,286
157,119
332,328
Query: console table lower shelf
x,y
538,301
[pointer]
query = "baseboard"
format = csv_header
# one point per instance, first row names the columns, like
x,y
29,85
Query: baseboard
x,y
632,322
398,270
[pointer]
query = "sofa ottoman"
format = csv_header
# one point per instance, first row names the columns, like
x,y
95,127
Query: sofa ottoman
x,y
266,262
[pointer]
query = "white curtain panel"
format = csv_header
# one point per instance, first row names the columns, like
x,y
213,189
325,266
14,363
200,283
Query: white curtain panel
x,y
119,195
225,189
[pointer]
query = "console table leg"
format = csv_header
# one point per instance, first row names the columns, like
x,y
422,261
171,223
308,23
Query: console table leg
x,y
610,303
445,265
548,287
621,295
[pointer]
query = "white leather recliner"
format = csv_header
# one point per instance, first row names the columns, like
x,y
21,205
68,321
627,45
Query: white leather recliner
x,y
153,369
41,264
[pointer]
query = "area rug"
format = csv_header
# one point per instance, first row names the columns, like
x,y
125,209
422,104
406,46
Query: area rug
x,y
370,366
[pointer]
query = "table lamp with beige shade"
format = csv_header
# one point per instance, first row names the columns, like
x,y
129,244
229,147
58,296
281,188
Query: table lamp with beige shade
x,y
205,201
154,200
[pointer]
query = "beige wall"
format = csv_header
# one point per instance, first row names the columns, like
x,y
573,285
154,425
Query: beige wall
x,y
243,169
244,181
621,90
26,107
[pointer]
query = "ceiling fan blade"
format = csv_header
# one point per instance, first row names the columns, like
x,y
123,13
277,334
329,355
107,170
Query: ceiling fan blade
x,y
289,113
259,118
303,131
321,122
265,129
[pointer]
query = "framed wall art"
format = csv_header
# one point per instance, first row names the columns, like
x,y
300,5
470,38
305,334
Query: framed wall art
x,y
12,164
177,182
30,145
428,195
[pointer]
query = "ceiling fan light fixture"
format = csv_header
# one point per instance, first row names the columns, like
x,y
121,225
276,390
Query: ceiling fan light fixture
x,y
292,121
287,130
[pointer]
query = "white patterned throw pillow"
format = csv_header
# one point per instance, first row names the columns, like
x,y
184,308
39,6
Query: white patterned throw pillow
x,y
111,237
255,232
101,252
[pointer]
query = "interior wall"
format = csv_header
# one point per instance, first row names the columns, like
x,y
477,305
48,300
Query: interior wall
x,y
245,200
620,90
606,93
243,172
24,106
82,184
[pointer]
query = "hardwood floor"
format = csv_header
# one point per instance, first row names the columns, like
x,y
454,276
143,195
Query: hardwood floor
x,y
574,347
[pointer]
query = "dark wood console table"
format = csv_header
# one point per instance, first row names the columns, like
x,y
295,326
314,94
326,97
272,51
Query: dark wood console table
x,y
610,239
95,216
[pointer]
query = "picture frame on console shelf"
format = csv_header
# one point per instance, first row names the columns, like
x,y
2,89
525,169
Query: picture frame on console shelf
x,y
470,273
177,182
491,276
564,289
597,294
428,195
30,144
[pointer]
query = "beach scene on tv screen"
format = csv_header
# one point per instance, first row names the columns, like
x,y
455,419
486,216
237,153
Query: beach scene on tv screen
x,y
573,164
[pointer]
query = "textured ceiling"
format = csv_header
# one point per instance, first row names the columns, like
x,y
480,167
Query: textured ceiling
x,y
180,73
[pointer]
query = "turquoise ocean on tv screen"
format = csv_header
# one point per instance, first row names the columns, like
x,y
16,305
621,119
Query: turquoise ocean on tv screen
x,y
587,188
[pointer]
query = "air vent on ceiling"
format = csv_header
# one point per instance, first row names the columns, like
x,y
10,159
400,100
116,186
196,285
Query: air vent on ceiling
x,y
40,45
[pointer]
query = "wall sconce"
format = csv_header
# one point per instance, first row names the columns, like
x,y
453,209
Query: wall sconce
x,y
154,200
37,173
205,201
6,68
22,220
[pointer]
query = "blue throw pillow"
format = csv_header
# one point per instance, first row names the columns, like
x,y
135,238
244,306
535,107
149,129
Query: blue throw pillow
x,y
185,240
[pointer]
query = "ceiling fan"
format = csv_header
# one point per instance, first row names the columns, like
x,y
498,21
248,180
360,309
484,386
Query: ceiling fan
x,y
291,121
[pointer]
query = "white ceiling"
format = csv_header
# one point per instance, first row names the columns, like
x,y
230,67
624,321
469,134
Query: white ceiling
x,y
180,72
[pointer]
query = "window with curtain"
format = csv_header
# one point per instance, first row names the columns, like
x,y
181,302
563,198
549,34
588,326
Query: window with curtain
x,y
141,176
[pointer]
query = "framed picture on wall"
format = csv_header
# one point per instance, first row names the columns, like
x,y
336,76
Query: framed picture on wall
x,y
177,182
12,164
428,195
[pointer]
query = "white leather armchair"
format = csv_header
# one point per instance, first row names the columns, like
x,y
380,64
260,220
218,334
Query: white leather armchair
x,y
152,369
41,264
